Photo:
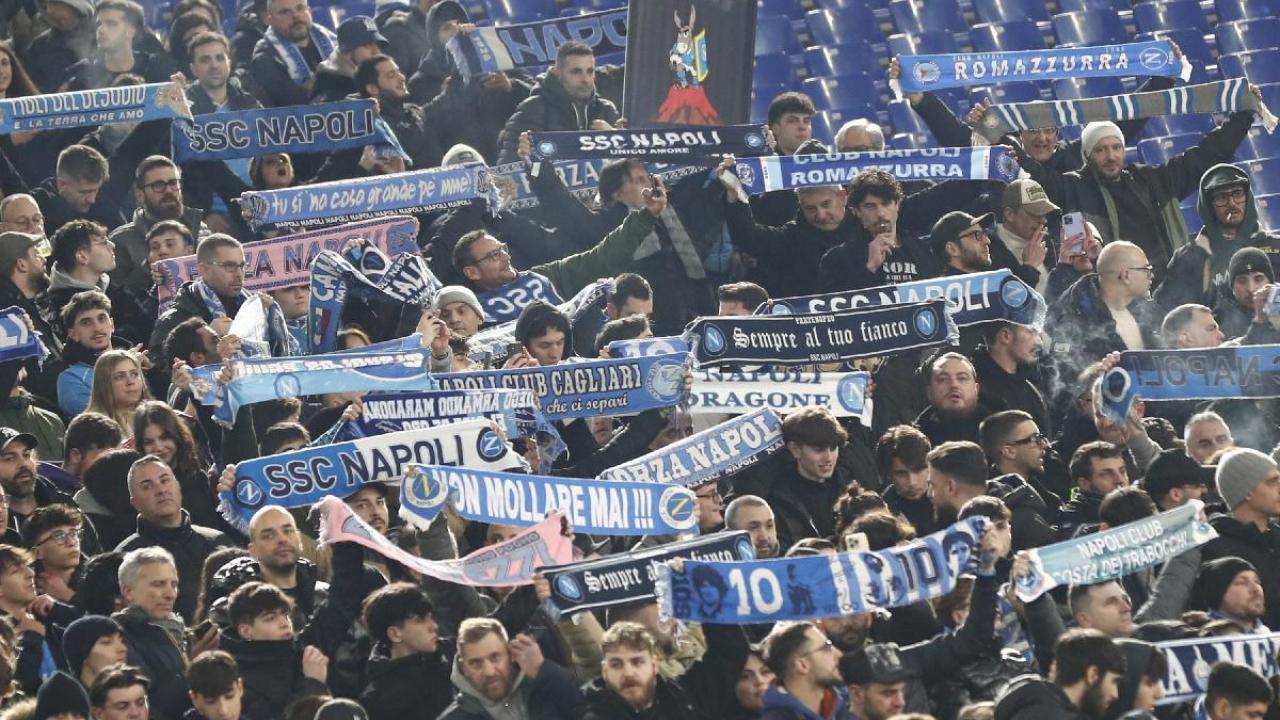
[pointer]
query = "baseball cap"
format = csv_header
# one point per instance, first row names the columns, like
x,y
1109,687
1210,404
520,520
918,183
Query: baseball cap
x,y
1029,194
8,435
874,663
951,225
14,245
359,30
1173,468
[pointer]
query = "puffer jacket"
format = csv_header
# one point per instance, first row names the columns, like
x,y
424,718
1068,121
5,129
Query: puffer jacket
x,y
1084,331
549,107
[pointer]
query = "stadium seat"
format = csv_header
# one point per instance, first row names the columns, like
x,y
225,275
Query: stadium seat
x,y
920,16
1002,36
903,119
1264,176
772,70
1159,151
1245,35
854,56
1016,92
1092,5
911,141
522,10
1232,10
1077,88
1259,144
1001,11
1270,94
843,91
1165,125
928,43
832,26
1268,211
823,129
596,5
761,98
1260,66
793,9
1170,15
1095,27
775,36
1192,42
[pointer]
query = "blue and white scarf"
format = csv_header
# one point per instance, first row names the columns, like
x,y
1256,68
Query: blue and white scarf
x,y
758,591
403,281
978,297
804,339
83,108
1115,552
257,380
683,142
300,478
493,49
595,507
1247,371
584,310
708,456
648,346
322,128
629,577
785,390
1226,96
1189,662
341,201
276,341
505,304
789,172
294,63
580,177
17,340
926,73
590,388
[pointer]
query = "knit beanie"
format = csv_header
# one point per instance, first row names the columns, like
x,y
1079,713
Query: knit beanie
x,y
1095,132
61,694
1250,260
1239,472
82,635
341,709
1214,579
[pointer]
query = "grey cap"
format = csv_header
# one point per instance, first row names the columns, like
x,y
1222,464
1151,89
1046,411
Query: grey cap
x,y
450,294
1239,472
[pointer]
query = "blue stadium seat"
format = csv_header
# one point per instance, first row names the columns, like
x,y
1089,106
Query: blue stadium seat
x,y
1166,125
772,70
903,119
911,141
836,25
844,91
1096,27
854,56
1245,35
761,98
775,36
1268,211
1077,88
999,11
1192,42
522,10
1270,94
1159,151
1015,92
1264,176
1170,15
1002,36
823,129
1259,144
928,43
1232,10
793,9
1260,66
1092,5
596,5
920,16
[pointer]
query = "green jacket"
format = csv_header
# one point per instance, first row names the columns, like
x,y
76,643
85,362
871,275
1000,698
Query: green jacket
x,y
21,415
611,256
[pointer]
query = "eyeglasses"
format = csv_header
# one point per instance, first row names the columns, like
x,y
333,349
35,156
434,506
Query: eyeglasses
x,y
713,495
63,538
1227,197
231,267
975,234
494,255
160,186
828,645
1039,438
1145,268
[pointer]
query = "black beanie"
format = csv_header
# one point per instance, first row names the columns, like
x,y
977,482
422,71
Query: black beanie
x,y
1250,260
80,637
1215,577
60,694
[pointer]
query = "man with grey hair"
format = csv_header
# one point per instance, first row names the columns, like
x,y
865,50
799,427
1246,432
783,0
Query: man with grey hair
x,y
156,638
1206,435
859,135
21,213
157,496
1191,326
753,514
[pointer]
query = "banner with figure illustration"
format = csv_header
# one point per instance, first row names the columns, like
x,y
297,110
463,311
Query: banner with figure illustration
x,y
685,61
1115,552
492,49
1189,661
820,586
83,108
1245,371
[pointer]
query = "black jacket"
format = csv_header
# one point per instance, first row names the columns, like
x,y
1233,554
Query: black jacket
x,y
786,255
670,702
405,28
1084,331
412,686
189,544
434,65
552,695
1031,697
52,53
474,115
1245,540
940,429
91,73
778,481
162,657
918,512
58,212
549,107
418,138
1032,524
1017,390
276,88
186,305
1079,514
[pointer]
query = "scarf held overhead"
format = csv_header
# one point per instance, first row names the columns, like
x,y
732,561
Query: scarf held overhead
x,y
629,577
650,143
17,340
393,412
1115,552
708,456
405,281
302,477
534,44
1225,96
580,177
745,593
978,297
781,389
1247,371
595,507
768,174
404,193
107,106
322,128
508,563
829,337
926,73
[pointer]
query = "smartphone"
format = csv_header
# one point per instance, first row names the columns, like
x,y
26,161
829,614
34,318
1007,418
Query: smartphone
x,y
514,349
1075,236
856,542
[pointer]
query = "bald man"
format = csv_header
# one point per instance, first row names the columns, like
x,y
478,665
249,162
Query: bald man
x,y
276,543
1106,311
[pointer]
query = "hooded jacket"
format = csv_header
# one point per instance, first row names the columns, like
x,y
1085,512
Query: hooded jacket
x,y
335,78
1262,549
549,107
1137,656
405,28
1198,271
670,702
58,212
1084,331
434,65
272,672
415,685
787,254
781,705
1031,697
131,320
1031,524
551,695
131,246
